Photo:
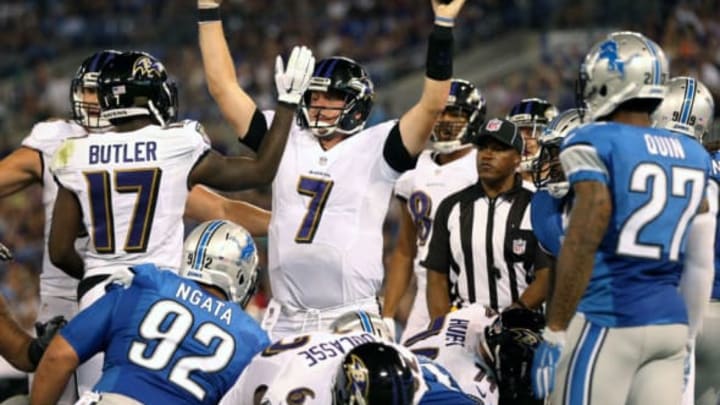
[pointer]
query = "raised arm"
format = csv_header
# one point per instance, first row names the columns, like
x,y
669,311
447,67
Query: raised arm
x,y
236,106
20,169
237,173
416,124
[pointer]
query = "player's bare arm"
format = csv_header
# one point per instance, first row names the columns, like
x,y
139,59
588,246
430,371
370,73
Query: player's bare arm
x,y
66,225
588,222
237,173
20,169
536,293
416,124
236,106
14,342
438,293
204,205
53,372
399,274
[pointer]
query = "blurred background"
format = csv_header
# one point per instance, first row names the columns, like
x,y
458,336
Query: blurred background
x,y
511,49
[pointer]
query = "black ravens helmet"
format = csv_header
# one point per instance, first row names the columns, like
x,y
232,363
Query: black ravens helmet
x,y
134,84
343,78
374,373
466,110
83,90
511,341
534,114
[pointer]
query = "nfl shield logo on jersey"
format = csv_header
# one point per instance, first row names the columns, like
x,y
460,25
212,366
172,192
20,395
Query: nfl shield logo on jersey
x,y
518,246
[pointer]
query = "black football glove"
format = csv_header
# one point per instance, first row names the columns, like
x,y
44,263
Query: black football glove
x,y
45,332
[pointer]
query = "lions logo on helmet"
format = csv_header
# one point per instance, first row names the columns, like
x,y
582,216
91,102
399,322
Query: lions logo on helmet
x,y
222,254
624,67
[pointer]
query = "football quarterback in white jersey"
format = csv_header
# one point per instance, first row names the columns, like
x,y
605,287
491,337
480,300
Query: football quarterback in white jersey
x,y
335,179
489,355
128,186
450,166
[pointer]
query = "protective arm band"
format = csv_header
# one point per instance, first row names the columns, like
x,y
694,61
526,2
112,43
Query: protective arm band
x,y
439,64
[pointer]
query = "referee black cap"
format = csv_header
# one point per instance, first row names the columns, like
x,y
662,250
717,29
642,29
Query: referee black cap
x,y
502,130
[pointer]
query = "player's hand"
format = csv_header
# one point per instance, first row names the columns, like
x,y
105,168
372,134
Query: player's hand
x,y
123,277
45,332
5,253
545,361
390,323
447,8
291,82
208,3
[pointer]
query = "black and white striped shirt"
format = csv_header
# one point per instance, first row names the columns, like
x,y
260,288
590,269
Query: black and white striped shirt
x,y
485,245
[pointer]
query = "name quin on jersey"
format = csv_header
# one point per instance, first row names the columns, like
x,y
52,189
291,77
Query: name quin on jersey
x,y
198,298
664,146
123,153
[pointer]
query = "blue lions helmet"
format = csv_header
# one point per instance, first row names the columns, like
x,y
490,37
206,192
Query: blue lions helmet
x,y
222,254
547,171
688,108
625,67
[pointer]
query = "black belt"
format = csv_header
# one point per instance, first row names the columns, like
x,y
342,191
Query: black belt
x,y
88,283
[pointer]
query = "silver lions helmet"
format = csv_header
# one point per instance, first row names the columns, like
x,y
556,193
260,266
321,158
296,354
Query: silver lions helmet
x,y
547,170
625,66
687,108
222,254
361,321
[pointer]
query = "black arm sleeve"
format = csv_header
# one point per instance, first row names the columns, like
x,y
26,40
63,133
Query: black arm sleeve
x,y
256,131
395,152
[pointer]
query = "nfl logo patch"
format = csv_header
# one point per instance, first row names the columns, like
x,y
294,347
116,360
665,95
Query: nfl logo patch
x,y
518,246
493,125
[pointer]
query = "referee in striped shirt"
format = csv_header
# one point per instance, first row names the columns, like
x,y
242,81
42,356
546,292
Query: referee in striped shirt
x,y
482,247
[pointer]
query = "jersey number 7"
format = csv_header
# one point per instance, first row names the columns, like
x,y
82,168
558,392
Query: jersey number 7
x,y
145,182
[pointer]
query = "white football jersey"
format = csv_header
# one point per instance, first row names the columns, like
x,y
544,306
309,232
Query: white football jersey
x,y
302,366
452,341
423,188
132,188
46,137
328,207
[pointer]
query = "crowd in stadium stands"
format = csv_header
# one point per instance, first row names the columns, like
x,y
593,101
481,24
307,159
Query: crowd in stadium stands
x,y
40,32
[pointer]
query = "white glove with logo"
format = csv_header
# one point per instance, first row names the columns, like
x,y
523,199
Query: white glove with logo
x,y
291,82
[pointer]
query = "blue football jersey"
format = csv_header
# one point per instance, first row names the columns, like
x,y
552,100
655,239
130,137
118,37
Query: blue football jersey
x,y
715,175
549,216
657,180
166,340
441,386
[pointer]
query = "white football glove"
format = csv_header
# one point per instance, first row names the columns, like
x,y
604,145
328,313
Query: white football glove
x,y
390,323
291,82
208,3
5,253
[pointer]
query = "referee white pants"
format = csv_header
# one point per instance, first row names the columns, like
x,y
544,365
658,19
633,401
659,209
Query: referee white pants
x,y
707,358
281,321
619,366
